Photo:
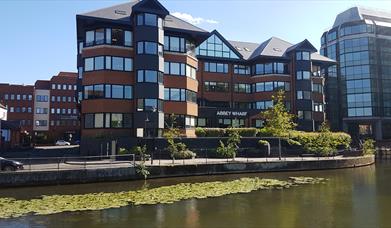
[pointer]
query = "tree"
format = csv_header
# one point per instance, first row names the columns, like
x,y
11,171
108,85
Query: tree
x,y
229,150
278,120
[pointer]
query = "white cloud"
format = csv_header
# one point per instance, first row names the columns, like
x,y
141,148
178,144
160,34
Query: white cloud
x,y
193,20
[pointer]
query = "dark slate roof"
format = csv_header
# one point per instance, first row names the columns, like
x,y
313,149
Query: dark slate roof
x,y
273,47
123,11
361,13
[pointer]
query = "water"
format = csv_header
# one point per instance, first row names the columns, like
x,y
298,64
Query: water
x,y
358,197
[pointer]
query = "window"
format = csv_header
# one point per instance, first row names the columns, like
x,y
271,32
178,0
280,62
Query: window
x,y
53,86
216,86
302,55
108,63
41,111
41,98
149,105
176,94
215,47
89,120
331,36
181,69
107,91
128,38
6,97
216,67
201,122
149,76
149,19
117,37
303,75
263,104
303,95
270,68
41,123
304,115
317,87
241,69
174,44
242,88
150,48
318,107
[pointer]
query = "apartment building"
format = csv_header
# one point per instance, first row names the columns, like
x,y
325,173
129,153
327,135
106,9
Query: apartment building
x,y
358,88
46,111
138,65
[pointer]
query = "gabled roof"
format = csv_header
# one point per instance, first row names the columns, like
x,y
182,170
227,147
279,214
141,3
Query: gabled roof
x,y
273,47
151,6
123,11
303,45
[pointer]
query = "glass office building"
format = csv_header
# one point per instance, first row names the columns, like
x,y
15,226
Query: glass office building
x,y
358,92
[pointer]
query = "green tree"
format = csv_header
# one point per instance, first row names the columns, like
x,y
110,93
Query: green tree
x,y
278,120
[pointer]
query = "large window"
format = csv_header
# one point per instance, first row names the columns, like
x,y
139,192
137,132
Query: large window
x,y
317,88
108,63
216,86
149,105
304,115
216,67
108,120
271,86
215,47
149,76
354,45
270,68
242,88
150,48
331,36
175,44
356,29
177,94
241,69
303,75
112,36
181,69
149,20
263,104
358,86
303,95
108,91
40,98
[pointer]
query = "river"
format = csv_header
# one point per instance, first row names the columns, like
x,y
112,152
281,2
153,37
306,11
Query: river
x,y
359,197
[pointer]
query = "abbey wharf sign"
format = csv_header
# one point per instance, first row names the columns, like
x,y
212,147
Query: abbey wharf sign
x,y
230,113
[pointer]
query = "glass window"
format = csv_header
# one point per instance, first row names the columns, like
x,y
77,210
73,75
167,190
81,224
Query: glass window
x,y
108,91
150,48
174,44
128,64
117,91
174,68
89,64
116,120
99,63
150,104
128,92
89,121
150,19
99,36
118,63
175,95
108,62
128,38
90,37
215,47
98,121
150,76
117,37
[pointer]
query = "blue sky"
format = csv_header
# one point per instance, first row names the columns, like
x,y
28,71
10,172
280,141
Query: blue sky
x,y
38,38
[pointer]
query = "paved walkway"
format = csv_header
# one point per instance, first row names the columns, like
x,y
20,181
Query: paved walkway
x,y
108,163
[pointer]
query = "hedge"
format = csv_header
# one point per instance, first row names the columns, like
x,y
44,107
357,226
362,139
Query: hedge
x,y
224,132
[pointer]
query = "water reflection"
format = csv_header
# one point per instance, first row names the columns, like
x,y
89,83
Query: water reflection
x,y
352,198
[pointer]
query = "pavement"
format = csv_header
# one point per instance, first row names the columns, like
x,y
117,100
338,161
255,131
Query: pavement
x,y
112,163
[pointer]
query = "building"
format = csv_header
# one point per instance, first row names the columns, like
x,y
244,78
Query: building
x,y
46,111
358,88
138,65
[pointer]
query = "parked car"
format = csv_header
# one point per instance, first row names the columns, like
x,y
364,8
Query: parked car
x,y
10,165
62,143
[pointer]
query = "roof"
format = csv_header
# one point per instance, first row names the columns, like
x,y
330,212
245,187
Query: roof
x,y
123,11
361,13
273,47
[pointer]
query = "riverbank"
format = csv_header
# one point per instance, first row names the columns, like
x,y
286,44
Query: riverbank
x,y
186,168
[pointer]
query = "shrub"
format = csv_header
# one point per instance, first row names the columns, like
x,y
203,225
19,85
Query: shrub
x,y
123,151
369,147
229,150
225,132
141,151
244,132
184,154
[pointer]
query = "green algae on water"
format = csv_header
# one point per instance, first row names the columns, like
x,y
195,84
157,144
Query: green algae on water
x,y
11,208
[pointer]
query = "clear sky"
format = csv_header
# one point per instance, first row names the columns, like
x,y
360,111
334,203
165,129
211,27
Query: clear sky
x,y
38,38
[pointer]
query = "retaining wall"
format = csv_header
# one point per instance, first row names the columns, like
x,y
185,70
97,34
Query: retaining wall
x,y
119,174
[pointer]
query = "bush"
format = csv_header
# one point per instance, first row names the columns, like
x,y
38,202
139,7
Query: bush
x,y
369,147
184,154
244,132
264,132
225,132
224,151
123,151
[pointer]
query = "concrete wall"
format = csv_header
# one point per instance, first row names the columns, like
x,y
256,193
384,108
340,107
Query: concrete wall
x,y
118,174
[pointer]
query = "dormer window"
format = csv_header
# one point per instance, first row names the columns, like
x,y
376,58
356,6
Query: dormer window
x,y
149,19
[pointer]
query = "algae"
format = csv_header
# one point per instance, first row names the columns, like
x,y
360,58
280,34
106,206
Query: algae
x,y
12,208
